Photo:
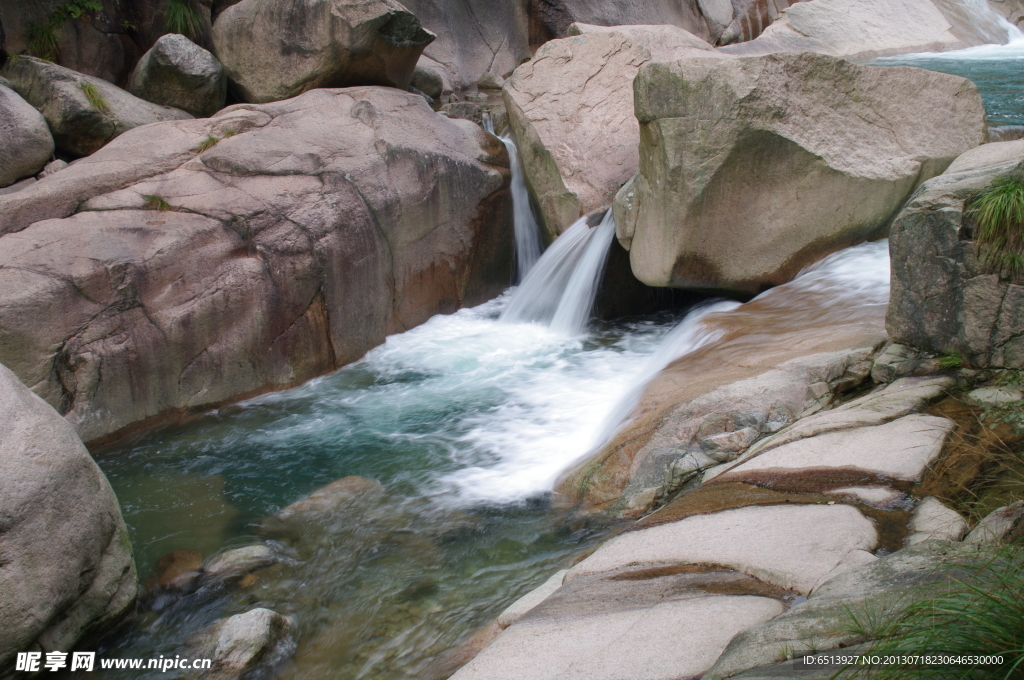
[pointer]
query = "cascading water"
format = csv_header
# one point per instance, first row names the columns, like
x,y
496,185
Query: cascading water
x,y
559,291
527,232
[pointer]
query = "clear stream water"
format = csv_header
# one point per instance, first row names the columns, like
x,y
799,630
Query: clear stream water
x,y
466,421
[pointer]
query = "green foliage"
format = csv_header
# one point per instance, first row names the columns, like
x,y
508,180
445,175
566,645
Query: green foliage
x,y
42,40
183,17
981,614
998,212
96,99
42,36
1012,414
154,202
207,143
951,360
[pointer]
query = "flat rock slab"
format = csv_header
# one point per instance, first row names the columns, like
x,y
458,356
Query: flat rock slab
x,y
900,449
794,547
675,639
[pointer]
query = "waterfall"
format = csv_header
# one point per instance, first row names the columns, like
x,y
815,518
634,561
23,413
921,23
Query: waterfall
x,y
559,291
577,301
527,231
984,13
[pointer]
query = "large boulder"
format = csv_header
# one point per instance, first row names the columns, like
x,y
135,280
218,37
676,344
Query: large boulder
x,y
193,275
862,29
945,299
552,18
273,50
25,142
752,168
83,112
67,561
474,38
571,109
177,72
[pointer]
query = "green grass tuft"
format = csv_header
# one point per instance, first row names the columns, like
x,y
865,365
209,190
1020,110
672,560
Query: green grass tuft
x,y
951,360
183,17
998,212
42,40
154,202
981,614
96,99
207,143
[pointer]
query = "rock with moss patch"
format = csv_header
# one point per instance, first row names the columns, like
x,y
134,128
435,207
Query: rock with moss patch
x,y
176,72
945,298
83,112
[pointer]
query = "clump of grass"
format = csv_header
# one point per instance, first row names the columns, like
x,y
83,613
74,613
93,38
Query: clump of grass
x,y
42,36
998,212
951,360
207,143
978,615
96,99
182,17
42,39
155,202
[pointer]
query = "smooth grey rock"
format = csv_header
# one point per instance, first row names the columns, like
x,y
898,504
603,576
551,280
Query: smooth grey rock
x,y
943,299
880,496
25,141
52,167
932,520
796,547
241,644
428,81
658,642
236,563
18,186
997,525
900,449
755,167
826,619
246,285
894,362
177,72
994,396
327,43
517,609
67,560
81,126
